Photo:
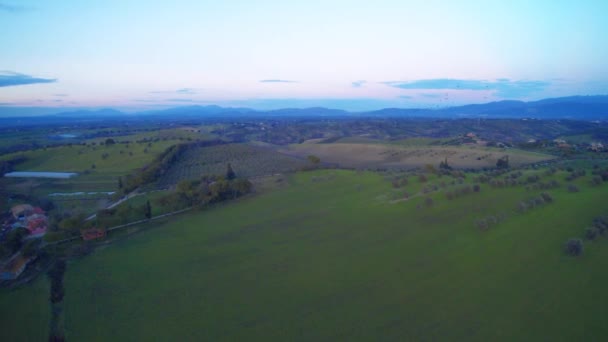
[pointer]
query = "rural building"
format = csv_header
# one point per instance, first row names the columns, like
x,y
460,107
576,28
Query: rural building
x,y
14,267
596,147
22,210
36,225
93,233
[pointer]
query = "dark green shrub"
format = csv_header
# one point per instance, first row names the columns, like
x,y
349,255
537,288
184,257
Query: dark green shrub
x,y
574,247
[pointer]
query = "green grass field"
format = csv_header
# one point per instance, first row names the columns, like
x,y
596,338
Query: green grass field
x,y
77,158
331,258
119,160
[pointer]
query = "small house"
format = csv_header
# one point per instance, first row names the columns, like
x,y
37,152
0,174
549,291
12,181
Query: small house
x,y
596,147
36,226
21,211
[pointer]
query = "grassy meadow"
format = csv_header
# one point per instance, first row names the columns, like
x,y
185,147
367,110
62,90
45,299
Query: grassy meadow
x,y
99,166
331,257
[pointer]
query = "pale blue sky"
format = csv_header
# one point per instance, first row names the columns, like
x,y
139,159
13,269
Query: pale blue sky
x,y
135,54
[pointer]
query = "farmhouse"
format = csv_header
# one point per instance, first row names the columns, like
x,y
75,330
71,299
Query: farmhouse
x,y
93,233
21,211
596,147
36,225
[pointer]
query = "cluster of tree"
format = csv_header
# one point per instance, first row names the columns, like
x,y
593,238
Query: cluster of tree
x,y
430,188
543,185
462,191
399,182
574,247
160,165
443,165
314,163
534,202
489,175
7,166
487,222
122,214
573,188
602,173
55,275
596,180
13,241
599,227
502,183
502,163
207,190
574,174
427,203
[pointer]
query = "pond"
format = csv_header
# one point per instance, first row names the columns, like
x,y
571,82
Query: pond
x,y
32,174
81,193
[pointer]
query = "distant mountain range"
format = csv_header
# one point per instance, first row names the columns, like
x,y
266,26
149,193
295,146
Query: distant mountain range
x,y
573,107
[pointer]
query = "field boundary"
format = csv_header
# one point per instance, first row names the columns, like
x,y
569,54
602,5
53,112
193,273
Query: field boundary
x,y
124,225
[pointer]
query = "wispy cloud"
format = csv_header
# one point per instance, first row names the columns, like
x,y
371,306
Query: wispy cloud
x,y
277,81
10,79
181,91
60,95
358,84
431,95
502,87
179,100
188,91
12,8
405,97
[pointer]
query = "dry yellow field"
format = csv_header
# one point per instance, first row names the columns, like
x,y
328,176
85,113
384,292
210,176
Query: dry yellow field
x,y
391,156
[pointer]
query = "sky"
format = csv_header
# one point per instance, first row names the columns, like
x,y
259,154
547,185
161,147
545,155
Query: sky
x,y
355,55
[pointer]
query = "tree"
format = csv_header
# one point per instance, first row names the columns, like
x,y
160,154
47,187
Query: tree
x,y
14,239
592,233
148,210
503,163
574,247
120,185
573,188
230,175
55,275
444,165
30,248
314,160
110,141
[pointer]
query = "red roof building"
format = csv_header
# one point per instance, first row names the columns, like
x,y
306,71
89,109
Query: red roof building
x,y
37,226
93,233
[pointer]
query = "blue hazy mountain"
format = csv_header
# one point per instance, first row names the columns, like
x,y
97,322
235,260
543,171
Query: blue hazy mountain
x,y
573,107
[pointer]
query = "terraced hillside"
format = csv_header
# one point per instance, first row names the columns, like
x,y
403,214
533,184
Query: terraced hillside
x,y
246,160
